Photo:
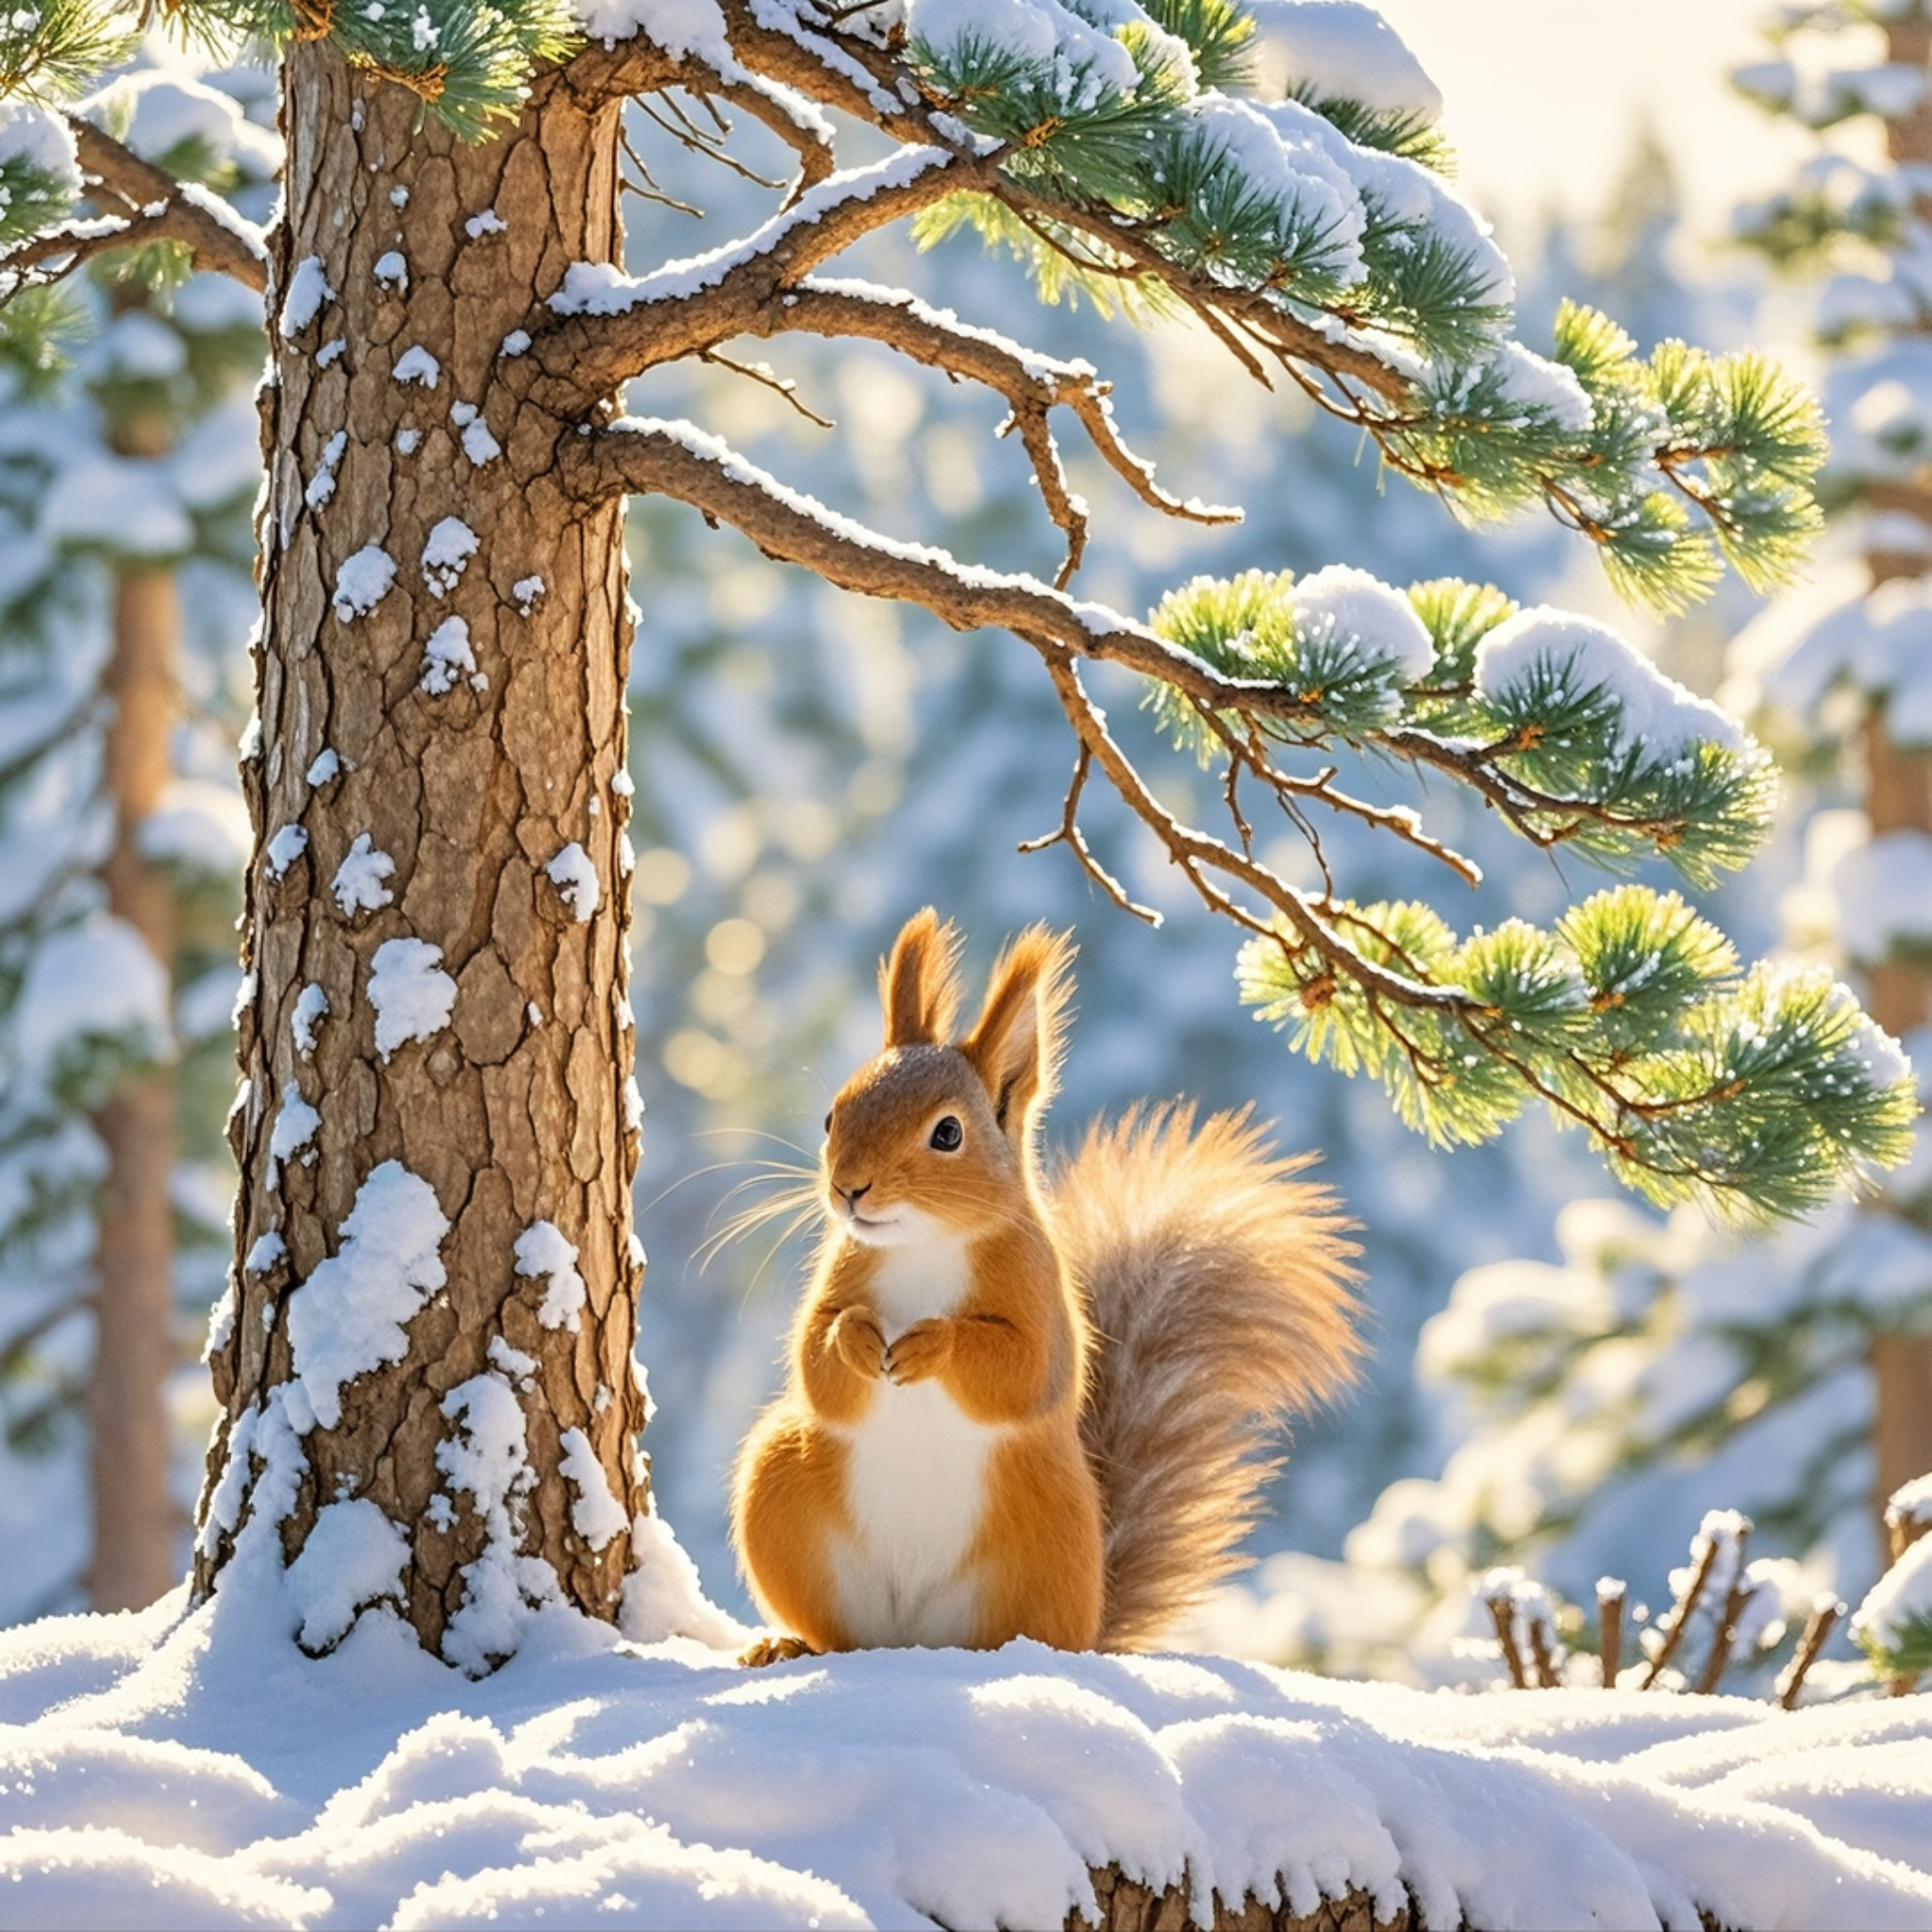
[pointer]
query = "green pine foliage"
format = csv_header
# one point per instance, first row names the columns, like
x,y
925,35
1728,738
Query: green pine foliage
x,y
1751,1093
1407,135
1905,1651
1217,33
54,49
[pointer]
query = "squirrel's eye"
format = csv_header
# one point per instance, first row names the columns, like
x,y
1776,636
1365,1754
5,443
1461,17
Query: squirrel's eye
x,y
829,1124
947,1134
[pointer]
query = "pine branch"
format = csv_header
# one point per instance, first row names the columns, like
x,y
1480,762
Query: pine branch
x,y
616,329
598,73
842,71
1757,1094
1032,384
158,207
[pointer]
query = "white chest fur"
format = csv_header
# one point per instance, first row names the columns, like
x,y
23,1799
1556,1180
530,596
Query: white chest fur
x,y
916,1481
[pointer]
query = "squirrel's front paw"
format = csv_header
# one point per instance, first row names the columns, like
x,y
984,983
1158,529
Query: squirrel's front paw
x,y
775,1650
924,1350
858,1341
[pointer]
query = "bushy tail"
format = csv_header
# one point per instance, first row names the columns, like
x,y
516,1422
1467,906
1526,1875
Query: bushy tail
x,y
1221,1294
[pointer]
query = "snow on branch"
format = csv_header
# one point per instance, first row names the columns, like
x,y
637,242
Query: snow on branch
x,y
1316,238
611,326
756,43
155,206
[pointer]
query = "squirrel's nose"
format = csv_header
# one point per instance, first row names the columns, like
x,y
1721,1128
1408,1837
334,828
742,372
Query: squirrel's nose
x,y
850,1195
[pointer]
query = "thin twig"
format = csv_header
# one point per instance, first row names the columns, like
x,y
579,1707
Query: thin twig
x,y
781,385
1742,1590
1610,1593
1070,836
1825,1611
1546,1674
1680,1614
1503,1615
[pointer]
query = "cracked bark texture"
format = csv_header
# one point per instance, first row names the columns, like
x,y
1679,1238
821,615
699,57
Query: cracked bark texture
x,y
515,1111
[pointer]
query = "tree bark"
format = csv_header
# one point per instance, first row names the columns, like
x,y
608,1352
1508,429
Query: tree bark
x,y
1899,797
134,1515
474,709
1129,1905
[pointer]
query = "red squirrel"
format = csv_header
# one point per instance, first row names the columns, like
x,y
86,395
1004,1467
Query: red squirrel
x,y
1024,1405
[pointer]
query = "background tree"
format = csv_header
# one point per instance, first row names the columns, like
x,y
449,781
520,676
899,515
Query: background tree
x,y
424,1363
130,471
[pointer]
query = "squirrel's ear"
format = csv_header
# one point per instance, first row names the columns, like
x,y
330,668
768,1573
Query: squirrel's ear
x,y
1016,1047
919,982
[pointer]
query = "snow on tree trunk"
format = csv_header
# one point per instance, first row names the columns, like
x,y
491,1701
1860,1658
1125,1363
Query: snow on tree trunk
x,y
134,1515
427,1362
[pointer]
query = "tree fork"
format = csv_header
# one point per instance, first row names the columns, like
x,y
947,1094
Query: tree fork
x,y
487,770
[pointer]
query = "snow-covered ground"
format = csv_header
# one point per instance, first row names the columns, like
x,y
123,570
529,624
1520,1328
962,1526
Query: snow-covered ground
x,y
195,1769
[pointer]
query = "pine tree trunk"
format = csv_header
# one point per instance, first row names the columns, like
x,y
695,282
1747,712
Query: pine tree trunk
x,y
475,713
134,1515
1899,797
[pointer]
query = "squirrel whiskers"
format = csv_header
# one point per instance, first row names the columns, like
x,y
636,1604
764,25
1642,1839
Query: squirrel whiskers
x,y
1023,1406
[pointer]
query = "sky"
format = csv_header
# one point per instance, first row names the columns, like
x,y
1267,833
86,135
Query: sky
x,y
1543,98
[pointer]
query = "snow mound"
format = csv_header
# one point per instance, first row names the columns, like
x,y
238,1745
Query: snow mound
x,y
198,1768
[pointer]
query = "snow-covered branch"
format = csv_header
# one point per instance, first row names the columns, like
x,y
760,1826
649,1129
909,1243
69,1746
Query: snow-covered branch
x,y
611,326
648,456
160,209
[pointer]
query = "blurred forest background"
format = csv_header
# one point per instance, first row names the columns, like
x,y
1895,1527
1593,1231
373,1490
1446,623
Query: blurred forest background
x,y
1560,1379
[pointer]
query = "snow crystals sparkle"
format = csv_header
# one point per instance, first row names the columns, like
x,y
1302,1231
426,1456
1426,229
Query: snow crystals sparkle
x,y
378,1787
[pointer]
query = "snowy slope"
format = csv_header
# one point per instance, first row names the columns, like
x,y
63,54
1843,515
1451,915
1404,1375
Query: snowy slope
x,y
165,1769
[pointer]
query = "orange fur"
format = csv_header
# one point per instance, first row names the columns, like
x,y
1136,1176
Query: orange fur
x,y
957,1457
